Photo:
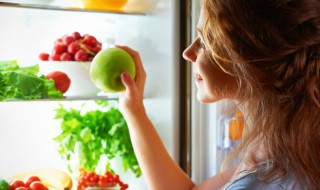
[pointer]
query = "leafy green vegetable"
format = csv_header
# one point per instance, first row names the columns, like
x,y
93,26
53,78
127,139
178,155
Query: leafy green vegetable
x,y
90,136
23,83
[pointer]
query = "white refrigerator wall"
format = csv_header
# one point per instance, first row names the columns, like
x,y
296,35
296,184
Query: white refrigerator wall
x,y
27,128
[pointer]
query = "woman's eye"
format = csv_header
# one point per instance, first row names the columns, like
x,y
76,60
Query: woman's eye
x,y
201,44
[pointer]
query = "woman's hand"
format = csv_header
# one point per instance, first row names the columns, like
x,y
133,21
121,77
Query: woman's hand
x,y
131,100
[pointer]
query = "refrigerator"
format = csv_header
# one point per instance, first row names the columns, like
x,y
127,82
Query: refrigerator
x,y
159,31
28,127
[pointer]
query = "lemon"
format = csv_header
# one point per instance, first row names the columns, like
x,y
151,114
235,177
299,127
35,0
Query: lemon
x,y
4,185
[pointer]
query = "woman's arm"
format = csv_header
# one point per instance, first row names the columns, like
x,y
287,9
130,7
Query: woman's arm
x,y
159,169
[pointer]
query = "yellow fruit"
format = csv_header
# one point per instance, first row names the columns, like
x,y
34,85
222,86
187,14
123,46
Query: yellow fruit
x,y
112,5
51,178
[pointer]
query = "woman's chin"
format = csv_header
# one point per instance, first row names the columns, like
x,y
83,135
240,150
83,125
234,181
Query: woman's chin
x,y
202,98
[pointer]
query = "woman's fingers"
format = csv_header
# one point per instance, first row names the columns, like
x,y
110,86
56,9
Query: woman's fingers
x,y
131,100
140,72
128,82
136,58
134,54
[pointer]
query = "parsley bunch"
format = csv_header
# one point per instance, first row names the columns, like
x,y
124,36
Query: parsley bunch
x,y
87,137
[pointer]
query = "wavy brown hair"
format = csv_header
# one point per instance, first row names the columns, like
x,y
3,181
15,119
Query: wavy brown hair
x,y
273,48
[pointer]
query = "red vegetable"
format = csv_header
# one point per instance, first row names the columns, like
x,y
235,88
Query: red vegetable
x,y
31,179
37,185
16,183
61,80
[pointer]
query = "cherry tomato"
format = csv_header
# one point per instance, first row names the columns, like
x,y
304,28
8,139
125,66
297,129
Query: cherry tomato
x,y
28,180
16,183
37,185
21,188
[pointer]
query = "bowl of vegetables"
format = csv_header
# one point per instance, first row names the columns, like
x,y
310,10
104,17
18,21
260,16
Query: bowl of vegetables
x,y
94,181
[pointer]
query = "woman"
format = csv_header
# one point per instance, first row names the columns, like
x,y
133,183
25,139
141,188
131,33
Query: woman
x,y
266,56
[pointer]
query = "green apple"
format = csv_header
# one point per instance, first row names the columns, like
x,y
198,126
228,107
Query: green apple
x,y
107,66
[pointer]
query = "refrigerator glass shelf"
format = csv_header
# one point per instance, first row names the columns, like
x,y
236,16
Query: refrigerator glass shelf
x,y
61,8
104,96
65,98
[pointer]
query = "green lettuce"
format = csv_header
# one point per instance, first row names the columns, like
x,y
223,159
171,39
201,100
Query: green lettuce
x,y
24,83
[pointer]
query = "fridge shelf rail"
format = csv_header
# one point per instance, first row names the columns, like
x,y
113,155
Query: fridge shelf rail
x,y
68,98
61,8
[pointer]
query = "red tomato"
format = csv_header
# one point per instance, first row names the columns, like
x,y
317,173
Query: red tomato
x,y
28,180
37,185
16,183
21,188
61,80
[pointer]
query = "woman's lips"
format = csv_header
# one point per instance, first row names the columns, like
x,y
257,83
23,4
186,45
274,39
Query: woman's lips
x,y
197,77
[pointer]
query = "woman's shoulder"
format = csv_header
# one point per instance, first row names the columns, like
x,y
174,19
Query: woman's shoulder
x,y
248,180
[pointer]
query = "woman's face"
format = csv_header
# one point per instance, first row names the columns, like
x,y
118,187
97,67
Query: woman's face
x,y
212,82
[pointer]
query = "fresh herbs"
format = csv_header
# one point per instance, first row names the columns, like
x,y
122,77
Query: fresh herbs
x,y
87,137
23,83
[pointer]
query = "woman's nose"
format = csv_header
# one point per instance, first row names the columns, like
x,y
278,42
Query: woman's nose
x,y
189,54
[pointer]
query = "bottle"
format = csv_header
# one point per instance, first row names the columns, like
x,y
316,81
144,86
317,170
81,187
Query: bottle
x,y
236,126
229,136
